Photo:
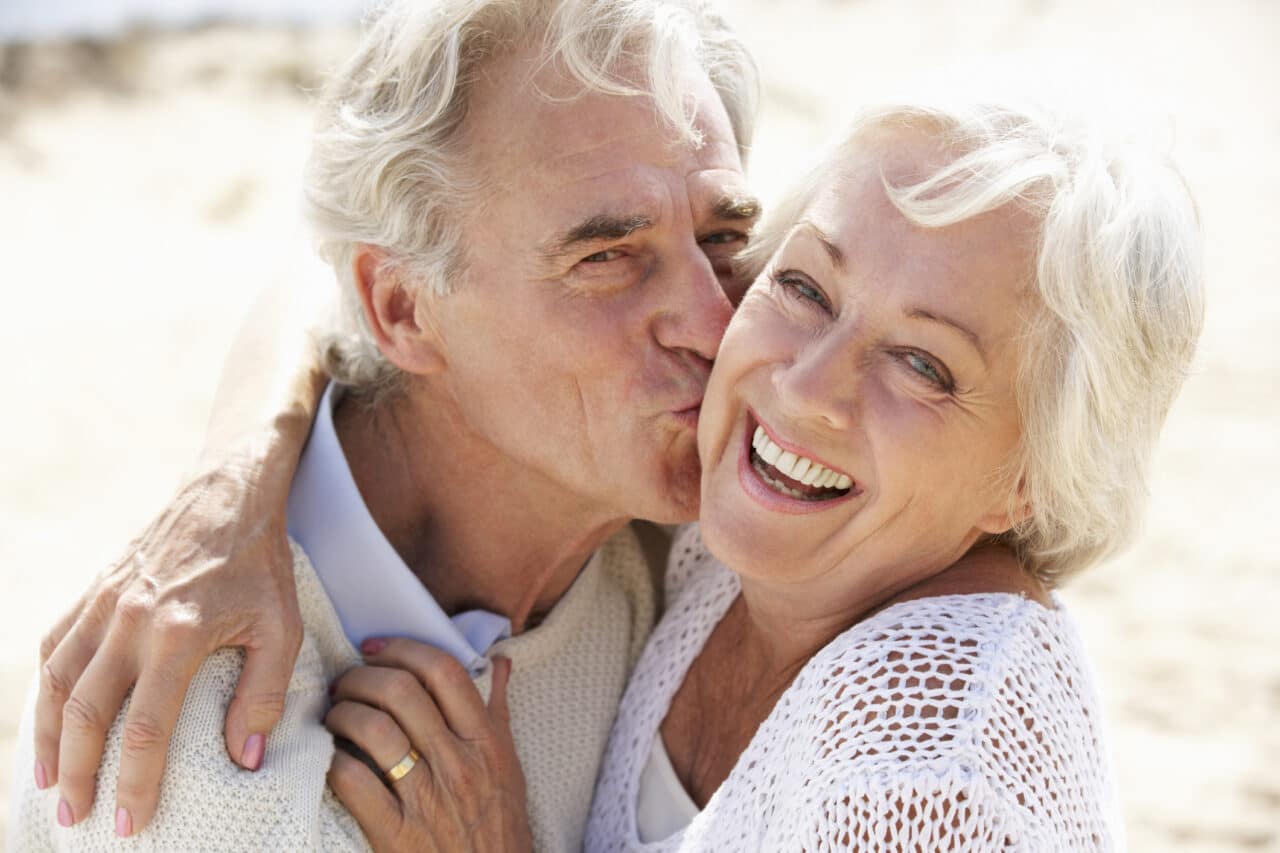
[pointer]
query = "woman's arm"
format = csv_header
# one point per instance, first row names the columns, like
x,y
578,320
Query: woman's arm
x,y
212,570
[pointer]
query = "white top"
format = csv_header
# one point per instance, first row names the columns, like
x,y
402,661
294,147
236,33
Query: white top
x,y
962,722
663,806
371,588
567,677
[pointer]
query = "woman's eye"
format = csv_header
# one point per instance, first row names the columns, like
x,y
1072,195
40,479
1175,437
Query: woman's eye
x,y
927,370
801,288
603,256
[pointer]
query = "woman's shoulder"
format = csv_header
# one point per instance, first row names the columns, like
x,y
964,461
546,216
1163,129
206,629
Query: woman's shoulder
x,y
982,685
942,658
984,699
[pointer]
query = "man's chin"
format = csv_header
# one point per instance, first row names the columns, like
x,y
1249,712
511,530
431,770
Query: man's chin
x,y
677,500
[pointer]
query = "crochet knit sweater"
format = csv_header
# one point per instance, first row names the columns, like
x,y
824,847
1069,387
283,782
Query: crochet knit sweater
x,y
567,677
961,722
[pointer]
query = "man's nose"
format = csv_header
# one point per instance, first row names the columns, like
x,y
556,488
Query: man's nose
x,y
697,310
822,381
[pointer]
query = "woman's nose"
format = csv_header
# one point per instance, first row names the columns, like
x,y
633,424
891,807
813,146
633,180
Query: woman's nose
x,y
822,381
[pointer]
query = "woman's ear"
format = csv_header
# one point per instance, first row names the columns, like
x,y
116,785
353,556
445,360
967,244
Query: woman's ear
x,y
1010,511
392,312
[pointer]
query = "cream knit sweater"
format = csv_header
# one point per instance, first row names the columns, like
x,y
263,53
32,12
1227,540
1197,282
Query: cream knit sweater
x,y
567,678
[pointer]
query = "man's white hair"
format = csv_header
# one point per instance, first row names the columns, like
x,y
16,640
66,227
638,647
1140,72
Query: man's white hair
x,y
1119,287
386,168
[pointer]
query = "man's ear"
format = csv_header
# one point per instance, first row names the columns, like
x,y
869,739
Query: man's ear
x,y
393,314
1009,512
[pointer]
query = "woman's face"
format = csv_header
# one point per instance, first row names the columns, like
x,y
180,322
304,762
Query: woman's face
x,y
884,352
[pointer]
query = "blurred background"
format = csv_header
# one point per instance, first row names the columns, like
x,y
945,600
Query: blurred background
x,y
150,161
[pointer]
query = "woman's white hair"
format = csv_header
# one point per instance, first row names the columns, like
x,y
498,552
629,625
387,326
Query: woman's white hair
x,y
386,169
1120,291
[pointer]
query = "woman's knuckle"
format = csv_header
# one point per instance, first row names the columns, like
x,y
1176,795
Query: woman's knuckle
x,y
402,687
56,684
142,733
81,715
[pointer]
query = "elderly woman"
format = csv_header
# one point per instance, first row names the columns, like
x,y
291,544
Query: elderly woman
x,y
967,327
965,332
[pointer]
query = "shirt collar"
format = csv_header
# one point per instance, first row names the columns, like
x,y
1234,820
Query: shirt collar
x,y
374,593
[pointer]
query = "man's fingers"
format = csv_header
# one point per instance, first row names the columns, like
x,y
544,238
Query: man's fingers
x,y
59,674
148,727
259,699
87,716
445,679
374,807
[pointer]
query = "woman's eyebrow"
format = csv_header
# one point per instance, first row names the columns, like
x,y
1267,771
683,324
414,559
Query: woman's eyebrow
x,y
834,252
922,314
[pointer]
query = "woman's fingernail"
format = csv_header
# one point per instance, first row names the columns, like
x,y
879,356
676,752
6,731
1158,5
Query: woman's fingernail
x,y
253,749
124,823
42,780
65,817
373,645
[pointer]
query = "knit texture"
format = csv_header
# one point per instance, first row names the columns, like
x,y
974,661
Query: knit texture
x,y
567,677
960,722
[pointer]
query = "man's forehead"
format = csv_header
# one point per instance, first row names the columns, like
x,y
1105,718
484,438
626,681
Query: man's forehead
x,y
543,121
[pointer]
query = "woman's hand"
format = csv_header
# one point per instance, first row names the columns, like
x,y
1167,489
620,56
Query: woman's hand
x,y
466,790
214,569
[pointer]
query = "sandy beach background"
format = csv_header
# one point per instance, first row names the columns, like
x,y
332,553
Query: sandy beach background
x,y
148,190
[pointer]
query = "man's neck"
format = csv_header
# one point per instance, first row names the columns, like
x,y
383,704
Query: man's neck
x,y
479,530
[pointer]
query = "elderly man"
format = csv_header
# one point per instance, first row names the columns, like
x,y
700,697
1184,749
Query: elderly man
x,y
530,207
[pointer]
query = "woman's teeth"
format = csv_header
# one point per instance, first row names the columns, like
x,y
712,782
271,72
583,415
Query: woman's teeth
x,y
798,468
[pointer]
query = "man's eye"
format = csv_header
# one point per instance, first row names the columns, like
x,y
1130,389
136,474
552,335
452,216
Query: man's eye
x,y
723,238
603,256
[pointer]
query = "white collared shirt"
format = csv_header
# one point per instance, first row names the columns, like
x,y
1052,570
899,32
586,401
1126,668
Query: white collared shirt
x,y
374,593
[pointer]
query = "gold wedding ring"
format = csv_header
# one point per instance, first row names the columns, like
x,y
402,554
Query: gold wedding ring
x,y
403,766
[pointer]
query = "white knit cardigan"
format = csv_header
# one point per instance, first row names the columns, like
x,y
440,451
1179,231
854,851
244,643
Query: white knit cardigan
x,y
962,722
567,677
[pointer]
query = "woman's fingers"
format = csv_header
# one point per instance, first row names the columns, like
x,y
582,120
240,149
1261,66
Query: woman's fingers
x,y
498,692
444,678
370,802
372,730
149,725
400,694
87,715
64,656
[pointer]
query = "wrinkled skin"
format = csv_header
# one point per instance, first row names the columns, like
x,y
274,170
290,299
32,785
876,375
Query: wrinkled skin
x,y
466,791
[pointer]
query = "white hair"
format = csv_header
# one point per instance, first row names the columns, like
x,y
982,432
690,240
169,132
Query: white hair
x,y
386,169
1120,288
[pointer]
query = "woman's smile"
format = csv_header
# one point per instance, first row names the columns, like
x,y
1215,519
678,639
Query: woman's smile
x,y
783,477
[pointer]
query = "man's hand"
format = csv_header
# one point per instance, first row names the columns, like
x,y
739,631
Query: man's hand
x,y
465,790
213,570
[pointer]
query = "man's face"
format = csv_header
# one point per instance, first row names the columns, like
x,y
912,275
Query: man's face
x,y
579,345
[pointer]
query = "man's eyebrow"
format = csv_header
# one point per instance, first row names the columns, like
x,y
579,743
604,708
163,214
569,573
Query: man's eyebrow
x,y
922,314
833,251
736,208
593,229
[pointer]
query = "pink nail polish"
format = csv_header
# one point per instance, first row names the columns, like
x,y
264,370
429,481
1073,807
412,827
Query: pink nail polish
x,y
42,780
124,823
65,818
254,746
372,646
